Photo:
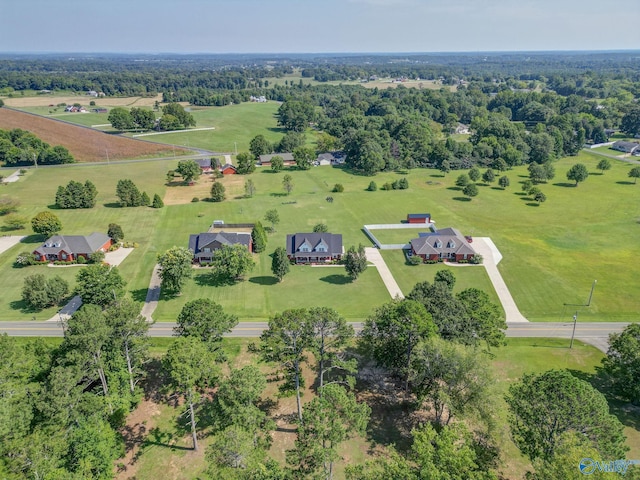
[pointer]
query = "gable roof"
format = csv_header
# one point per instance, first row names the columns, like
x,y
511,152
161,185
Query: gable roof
x,y
287,157
331,240
74,244
227,166
204,162
199,241
445,240
625,146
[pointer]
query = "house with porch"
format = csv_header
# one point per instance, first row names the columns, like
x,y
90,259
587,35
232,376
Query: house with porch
x,y
68,248
204,245
446,244
314,247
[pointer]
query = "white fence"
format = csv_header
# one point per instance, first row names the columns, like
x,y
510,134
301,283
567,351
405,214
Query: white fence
x,y
394,226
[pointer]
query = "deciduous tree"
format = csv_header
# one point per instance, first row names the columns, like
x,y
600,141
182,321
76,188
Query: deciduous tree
x,y
503,181
280,263
46,224
622,363
249,188
206,320
355,261
578,173
392,333
217,192
100,284
287,183
189,170
604,164
246,163
39,292
304,157
115,232
259,146
545,406
470,190
635,174
277,163
175,268
273,218
233,261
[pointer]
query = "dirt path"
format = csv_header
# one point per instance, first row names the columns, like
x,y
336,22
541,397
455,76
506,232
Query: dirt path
x,y
373,255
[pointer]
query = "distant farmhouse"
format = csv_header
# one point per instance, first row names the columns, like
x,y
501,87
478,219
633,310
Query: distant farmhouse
x,y
228,169
627,147
446,243
204,245
68,248
314,247
205,165
330,158
260,99
265,160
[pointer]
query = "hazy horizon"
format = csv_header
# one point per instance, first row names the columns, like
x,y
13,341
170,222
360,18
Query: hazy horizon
x,y
304,26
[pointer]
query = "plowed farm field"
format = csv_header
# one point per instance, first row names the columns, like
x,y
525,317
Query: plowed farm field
x,y
85,144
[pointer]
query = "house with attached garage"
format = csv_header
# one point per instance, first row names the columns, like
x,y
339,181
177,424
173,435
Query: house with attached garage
x,y
204,245
444,244
627,147
68,248
314,247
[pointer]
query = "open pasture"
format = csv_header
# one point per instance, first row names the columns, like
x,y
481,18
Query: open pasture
x,y
552,252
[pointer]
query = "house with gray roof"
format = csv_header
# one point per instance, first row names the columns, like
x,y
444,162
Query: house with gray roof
x,y
68,248
265,160
204,245
314,247
627,147
446,244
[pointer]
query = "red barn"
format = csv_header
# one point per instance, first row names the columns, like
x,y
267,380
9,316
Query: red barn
x,y
419,218
228,169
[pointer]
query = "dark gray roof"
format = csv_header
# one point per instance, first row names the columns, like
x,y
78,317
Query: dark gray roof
x,y
204,162
74,244
419,215
445,240
199,241
625,146
228,165
313,240
287,157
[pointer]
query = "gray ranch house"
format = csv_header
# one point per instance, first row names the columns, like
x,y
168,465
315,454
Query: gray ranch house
x,y
314,247
446,244
68,248
204,245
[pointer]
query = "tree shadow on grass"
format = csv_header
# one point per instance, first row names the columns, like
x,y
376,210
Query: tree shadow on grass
x,y
112,205
139,295
442,175
564,184
497,188
455,189
337,279
35,238
532,204
212,279
520,194
22,306
462,199
53,206
624,182
627,413
279,194
264,280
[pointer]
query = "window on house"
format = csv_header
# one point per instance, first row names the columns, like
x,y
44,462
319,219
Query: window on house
x,y
64,256
438,244
206,250
451,244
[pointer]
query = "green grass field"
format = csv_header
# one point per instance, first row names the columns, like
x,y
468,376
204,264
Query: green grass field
x,y
398,235
235,126
552,252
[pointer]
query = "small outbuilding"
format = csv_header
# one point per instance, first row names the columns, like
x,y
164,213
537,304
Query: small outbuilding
x,y
419,218
228,169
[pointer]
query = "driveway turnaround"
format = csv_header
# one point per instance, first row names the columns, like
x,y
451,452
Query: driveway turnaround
x,y
373,255
491,256
116,257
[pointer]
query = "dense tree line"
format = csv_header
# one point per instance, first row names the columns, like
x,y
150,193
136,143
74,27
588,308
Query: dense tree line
x,y
20,147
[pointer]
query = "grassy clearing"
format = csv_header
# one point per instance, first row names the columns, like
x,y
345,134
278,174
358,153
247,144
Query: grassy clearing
x,y
398,235
552,252
235,126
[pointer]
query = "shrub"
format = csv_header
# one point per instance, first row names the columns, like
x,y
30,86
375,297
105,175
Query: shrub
x,y
372,186
395,185
415,260
338,187
95,257
387,186
157,201
476,259
195,200
403,184
26,259
83,261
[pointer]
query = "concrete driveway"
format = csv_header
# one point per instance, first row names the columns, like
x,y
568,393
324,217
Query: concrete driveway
x,y
116,257
374,256
9,241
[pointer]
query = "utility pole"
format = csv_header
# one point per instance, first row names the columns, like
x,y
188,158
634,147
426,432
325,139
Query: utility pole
x,y
573,334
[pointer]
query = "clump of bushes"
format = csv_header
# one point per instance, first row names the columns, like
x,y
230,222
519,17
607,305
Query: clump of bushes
x,y
338,187
476,259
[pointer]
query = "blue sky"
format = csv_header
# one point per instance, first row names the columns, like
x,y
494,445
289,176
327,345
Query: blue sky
x,y
257,26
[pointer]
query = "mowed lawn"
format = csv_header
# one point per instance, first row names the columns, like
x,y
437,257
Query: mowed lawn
x,y
234,127
552,252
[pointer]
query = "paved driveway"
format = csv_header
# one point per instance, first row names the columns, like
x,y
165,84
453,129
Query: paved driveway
x,y
9,241
374,256
116,257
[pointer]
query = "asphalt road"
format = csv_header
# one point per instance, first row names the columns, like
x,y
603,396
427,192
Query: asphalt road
x,y
596,334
